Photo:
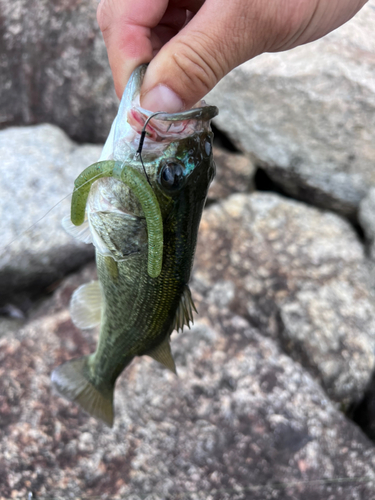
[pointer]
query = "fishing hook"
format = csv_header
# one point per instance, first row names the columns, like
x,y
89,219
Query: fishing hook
x,y
142,140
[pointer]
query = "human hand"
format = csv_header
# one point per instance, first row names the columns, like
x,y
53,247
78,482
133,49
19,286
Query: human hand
x,y
192,44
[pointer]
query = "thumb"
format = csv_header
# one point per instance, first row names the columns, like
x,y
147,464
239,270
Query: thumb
x,y
193,61
226,33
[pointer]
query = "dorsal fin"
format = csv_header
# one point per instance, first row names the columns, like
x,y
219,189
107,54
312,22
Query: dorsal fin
x,y
162,354
86,305
184,313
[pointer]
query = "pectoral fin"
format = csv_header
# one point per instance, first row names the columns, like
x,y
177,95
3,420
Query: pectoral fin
x,y
162,354
86,305
81,233
184,314
85,233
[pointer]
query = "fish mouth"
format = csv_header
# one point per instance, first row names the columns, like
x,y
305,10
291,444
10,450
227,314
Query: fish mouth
x,y
160,129
204,113
166,127
200,111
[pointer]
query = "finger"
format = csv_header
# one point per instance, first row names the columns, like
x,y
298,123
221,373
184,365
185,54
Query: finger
x,y
223,34
191,63
170,24
127,31
192,5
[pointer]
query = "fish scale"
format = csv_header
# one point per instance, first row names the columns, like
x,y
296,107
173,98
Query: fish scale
x,y
145,232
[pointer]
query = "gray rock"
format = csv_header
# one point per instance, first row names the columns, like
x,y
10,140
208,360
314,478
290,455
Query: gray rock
x,y
54,68
364,412
9,325
38,168
366,216
299,275
234,174
308,115
242,420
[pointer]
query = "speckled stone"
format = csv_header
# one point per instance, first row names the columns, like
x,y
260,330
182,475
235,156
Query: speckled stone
x,y
299,275
366,217
308,115
54,67
242,420
234,174
38,168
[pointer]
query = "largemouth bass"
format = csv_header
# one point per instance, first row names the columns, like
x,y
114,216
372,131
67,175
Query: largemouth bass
x,y
140,206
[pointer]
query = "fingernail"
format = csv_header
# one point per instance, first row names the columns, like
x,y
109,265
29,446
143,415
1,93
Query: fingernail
x,y
162,98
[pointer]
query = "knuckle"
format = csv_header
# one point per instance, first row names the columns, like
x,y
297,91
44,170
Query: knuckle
x,y
198,63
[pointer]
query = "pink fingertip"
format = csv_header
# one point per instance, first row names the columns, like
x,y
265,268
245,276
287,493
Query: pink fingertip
x,y
162,98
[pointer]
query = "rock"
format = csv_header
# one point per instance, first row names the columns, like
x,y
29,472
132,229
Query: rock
x,y
308,115
299,276
38,168
234,174
241,420
8,325
363,414
366,216
54,68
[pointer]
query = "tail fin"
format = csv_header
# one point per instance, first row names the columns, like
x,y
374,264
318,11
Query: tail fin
x,y
70,381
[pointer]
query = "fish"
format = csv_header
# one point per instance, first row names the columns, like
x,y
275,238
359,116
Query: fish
x,y
140,205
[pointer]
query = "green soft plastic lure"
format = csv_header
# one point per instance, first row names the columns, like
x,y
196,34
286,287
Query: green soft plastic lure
x,y
142,213
138,183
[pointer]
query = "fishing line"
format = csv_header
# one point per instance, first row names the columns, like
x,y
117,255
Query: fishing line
x,y
142,140
137,154
27,230
35,223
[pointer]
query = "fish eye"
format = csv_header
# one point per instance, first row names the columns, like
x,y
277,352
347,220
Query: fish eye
x,y
172,175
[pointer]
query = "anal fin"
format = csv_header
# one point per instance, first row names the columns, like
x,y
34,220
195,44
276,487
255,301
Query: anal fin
x,y
184,313
86,305
162,354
